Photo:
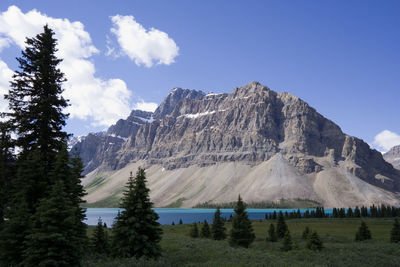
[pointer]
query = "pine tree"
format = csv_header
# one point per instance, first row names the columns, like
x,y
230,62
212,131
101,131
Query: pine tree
x,y
287,243
242,233
7,162
100,239
136,232
218,229
281,226
272,234
36,116
395,233
194,231
14,232
363,232
314,242
180,221
205,230
52,241
306,233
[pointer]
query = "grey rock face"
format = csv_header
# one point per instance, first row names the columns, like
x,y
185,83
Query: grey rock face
x,y
251,125
173,99
101,148
393,156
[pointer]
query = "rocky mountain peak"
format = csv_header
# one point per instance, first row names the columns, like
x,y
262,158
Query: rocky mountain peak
x,y
175,96
250,89
393,156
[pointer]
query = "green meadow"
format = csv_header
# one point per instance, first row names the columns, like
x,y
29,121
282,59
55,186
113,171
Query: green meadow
x,y
338,236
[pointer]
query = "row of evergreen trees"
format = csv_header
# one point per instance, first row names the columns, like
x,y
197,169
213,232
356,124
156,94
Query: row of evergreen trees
x,y
41,222
241,234
382,211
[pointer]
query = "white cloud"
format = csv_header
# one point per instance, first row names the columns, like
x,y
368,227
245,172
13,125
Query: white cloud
x,y
386,139
5,77
140,45
103,101
146,106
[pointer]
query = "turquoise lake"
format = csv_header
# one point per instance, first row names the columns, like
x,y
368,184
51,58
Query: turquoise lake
x,y
167,216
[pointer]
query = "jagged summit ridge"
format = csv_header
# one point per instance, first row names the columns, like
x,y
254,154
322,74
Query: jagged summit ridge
x,y
278,136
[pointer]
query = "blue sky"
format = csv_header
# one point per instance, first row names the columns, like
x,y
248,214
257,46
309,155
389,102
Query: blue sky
x,y
342,57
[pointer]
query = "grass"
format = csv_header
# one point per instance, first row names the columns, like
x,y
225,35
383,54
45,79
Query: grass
x,y
337,234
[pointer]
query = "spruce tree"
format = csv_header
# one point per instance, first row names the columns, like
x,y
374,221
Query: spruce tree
x,y
205,230
314,242
306,233
287,243
7,162
52,240
218,229
180,221
242,233
281,226
395,233
136,232
194,231
363,232
100,239
272,234
36,117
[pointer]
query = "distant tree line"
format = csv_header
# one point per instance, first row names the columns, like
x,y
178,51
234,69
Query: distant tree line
x,y
281,204
373,211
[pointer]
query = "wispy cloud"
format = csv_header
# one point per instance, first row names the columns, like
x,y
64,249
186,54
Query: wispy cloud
x,y
100,100
144,47
386,139
146,106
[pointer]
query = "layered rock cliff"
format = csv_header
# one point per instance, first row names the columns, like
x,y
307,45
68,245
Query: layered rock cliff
x,y
295,150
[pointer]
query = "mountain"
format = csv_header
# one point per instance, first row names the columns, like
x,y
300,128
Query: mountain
x,y
100,149
255,142
393,156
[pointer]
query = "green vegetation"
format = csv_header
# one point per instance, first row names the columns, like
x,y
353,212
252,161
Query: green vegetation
x,y
241,233
97,180
272,237
296,203
194,231
363,232
337,236
205,230
314,242
218,228
395,233
287,243
176,204
136,232
41,221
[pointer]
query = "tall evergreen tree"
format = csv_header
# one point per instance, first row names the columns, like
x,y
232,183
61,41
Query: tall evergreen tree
x,y
100,238
363,232
272,234
395,233
242,233
136,232
218,229
205,230
36,116
281,226
306,233
6,168
314,242
287,243
52,240
194,231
